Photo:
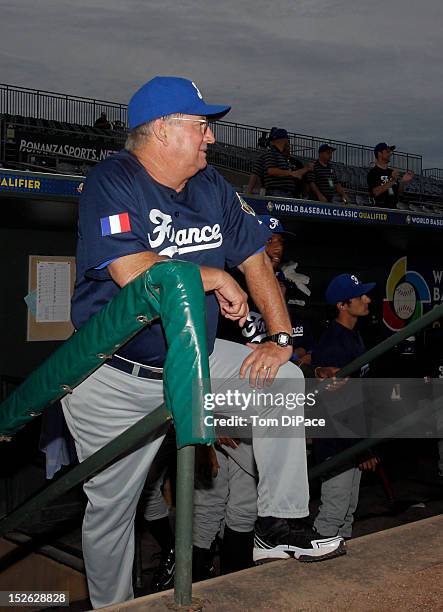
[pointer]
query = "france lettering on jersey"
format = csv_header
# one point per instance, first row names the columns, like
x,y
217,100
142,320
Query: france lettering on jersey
x,y
254,330
123,211
177,242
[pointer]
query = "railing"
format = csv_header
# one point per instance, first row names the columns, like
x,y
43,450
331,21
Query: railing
x,y
435,173
180,303
76,109
350,154
19,411
56,106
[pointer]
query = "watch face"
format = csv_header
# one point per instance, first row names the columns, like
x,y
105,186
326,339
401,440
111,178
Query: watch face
x,y
283,339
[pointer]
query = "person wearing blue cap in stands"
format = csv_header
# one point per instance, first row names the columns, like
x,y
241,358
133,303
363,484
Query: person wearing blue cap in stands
x,y
384,183
155,200
282,174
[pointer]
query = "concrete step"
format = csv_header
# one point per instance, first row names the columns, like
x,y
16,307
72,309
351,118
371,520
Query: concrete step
x,y
395,569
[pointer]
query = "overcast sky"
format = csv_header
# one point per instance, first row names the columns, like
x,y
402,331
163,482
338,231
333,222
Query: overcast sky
x,y
344,69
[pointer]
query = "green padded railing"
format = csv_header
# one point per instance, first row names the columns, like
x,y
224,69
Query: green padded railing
x,y
173,291
180,303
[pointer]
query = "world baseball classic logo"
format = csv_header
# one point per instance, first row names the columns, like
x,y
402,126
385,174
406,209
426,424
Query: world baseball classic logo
x,y
406,292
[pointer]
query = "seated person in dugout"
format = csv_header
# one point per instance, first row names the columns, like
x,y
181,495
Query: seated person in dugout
x,y
225,498
154,200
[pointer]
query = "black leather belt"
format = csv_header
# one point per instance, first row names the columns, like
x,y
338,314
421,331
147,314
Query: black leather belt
x,y
135,369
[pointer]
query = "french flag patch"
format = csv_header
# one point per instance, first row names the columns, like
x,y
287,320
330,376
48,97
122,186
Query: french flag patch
x,y
115,224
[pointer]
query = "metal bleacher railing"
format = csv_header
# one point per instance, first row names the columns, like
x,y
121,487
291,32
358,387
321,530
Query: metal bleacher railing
x,y
56,106
302,145
78,110
434,173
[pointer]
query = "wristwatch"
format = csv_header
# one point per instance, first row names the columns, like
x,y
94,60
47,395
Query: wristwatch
x,y
281,339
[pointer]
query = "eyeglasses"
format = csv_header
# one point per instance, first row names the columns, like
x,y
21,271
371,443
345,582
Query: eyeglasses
x,y
204,123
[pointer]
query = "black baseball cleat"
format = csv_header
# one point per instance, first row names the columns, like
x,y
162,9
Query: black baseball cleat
x,y
202,564
164,574
277,538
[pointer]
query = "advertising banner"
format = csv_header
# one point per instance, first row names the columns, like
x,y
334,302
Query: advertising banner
x,y
66,146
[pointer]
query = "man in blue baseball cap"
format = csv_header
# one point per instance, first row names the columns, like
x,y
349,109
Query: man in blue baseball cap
x,y
230,496
165,95
384,183
159,199
282,174
345,287
338,346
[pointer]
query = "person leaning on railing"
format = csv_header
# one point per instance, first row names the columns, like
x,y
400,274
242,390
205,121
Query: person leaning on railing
x,y
323,182
282,174
154,200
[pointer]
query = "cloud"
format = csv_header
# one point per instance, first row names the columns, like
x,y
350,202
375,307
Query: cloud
x,y
340,69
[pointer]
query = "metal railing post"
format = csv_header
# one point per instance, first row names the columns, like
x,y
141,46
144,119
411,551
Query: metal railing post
x,y
183,525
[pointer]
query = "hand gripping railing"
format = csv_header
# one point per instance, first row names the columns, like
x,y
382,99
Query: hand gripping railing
x,y
338,460
171,290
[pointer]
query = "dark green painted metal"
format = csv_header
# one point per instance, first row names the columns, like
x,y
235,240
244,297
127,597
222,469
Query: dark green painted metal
x,y
180,302
183,525
431,407
356,364
172,290
392,341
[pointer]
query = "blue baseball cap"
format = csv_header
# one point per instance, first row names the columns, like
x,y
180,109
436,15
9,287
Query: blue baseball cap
x,y
274,224
326,147
382,146
166,95
277,134
344,287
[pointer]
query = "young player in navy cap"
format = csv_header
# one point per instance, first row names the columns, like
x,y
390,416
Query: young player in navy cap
x,y
158,199
338,346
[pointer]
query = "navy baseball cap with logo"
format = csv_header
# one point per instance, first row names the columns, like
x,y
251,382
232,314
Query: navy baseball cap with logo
x,y
344,287
326,147
166,95
278,134
382,146
274,224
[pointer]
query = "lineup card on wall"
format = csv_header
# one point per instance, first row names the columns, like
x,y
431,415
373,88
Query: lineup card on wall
x,y
50,286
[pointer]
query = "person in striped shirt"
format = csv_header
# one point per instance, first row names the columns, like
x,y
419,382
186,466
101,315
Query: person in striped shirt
x,y
323,181
282,175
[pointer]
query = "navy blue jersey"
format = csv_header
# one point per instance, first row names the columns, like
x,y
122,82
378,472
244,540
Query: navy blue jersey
x,y
337,347
123,211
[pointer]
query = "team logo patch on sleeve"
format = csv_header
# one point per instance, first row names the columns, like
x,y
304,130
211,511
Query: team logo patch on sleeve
x,y
115,224
245,206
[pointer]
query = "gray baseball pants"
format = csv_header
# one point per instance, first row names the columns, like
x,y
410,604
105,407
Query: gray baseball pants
x,y
110,401
230,498
339,499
